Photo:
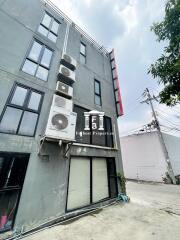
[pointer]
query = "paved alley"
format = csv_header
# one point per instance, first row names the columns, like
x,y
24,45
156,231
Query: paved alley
x,y
153,213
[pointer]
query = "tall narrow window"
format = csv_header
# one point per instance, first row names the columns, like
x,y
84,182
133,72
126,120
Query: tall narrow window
x,y
21,111
38,61
83,53
111,165
49,27
97,92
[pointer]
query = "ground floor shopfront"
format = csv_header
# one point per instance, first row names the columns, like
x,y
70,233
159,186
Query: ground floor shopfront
x,y
36,189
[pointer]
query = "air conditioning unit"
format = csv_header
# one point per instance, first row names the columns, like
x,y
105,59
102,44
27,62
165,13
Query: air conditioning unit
x,y
68,61
66,74
64,89
62,102
61,124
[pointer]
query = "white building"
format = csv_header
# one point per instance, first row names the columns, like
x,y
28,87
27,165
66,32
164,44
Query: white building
x,y
143,157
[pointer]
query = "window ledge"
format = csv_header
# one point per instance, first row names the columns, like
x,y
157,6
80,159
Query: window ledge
x,y
94,146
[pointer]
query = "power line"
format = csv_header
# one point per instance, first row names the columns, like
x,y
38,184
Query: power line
x,y
149,100
167,120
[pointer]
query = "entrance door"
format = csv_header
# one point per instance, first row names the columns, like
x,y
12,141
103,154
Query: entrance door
x,y
12,173
88,182
79,183
100,188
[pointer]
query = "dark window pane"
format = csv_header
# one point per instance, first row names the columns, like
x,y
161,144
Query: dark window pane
x,y
80,124
46,20
34,101
83,49
1,164
111,167
98,136
52,37
113,187
29,67
54,27
108,129
19,96
10,120
46,58
28,123
35,51
42,73
82,59
97,87
43,30
97,100
112,177
17,171
6,163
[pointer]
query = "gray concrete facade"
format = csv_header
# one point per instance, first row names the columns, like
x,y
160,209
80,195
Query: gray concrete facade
x,y
44,191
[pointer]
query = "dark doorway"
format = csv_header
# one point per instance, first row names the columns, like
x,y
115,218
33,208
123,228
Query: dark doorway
x,y
12,173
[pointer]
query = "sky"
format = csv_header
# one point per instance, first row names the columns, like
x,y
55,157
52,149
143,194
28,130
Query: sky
x,y
125,26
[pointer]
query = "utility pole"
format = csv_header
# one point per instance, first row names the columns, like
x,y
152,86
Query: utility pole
x,y
161,139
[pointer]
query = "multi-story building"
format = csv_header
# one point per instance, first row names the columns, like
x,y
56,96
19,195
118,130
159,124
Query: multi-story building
x,y
51,72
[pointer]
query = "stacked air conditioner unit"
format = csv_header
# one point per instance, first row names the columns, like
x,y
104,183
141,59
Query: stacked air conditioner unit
x,y
62,120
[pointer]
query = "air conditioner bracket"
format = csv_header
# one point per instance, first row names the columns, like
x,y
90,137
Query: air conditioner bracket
x,y
67,149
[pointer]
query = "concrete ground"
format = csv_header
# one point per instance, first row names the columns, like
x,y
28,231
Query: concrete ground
x,y
152,214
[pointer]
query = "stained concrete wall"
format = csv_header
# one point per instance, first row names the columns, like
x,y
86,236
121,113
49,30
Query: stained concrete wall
x,y
173,147
45,187
143,158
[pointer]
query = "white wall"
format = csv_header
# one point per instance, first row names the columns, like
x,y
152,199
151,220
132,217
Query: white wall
x,y
143,157
173,146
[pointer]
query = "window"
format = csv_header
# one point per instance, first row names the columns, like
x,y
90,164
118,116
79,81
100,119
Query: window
x,y
21,112
91,181
94,137
49,27
83,53
80,125
97,93
111,166
38,61
12,173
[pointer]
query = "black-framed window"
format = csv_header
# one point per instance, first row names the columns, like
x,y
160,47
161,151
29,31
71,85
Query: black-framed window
x,y
49,27
12,174
38,60
93,137
97,92
112,177
21,113
99,181
82,53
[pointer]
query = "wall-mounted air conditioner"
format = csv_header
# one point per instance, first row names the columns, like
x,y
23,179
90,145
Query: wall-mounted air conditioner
x,y
66,74
64,89
61,124
62,102
68,61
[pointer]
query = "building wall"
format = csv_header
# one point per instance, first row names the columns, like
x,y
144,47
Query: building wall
x,y
173,147
45,187
143,157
